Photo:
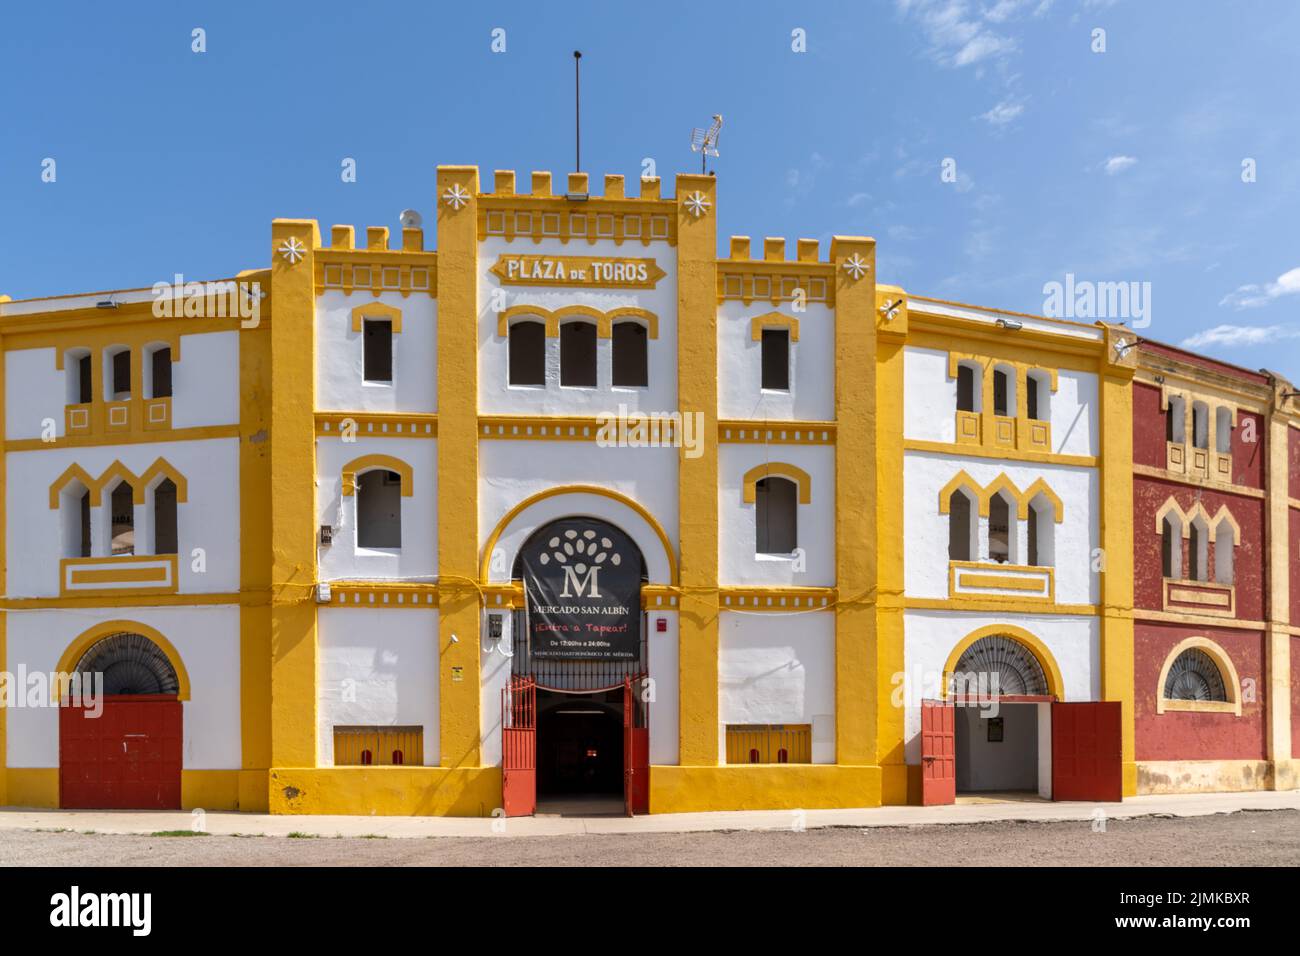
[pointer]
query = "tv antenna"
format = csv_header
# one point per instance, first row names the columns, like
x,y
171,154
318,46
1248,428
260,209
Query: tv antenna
x,y
705,141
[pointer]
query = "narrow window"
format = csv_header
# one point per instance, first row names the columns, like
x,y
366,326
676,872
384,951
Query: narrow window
x,y
1001,392
1198,552
528,353
965,388
379,509
776,359
160,372
123,518
1223,430
1175,421
75,510
1171,549
1031,397
959,527
378,336
1223,553
164,518
1037,402
83,546
776,515
631,366
1201,425
999,530
1042,532
85,387
578,355
121,375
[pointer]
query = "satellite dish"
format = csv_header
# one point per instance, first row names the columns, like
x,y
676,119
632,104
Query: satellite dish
x,y
410,219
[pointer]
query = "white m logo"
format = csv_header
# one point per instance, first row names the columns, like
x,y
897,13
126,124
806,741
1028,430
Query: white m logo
x,y
580,584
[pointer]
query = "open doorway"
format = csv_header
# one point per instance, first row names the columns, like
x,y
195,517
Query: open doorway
x,y
998,751
580,753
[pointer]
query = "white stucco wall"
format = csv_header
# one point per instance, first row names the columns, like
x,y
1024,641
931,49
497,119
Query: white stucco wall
x,y
926,530
377,667
207,639
778,669
737,562
209,519
498,397
417,559
340,355
811,396
930,636
930,404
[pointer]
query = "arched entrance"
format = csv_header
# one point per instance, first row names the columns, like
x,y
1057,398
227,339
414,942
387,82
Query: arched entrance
x,y
578,649
120,724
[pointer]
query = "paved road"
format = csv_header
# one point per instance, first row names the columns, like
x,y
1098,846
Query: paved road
x,y
1247,838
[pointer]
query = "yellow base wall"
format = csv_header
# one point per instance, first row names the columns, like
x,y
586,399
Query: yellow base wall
x,y
387,791
763,787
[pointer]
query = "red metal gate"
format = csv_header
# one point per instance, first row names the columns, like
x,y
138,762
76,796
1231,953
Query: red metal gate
x,y
1087,751
636,748
127,758
938,753
519,747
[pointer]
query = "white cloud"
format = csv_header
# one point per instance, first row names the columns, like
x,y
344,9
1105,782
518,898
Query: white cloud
x,y
1253,296
959,36
857,199
1234,336
1003,113
1115,165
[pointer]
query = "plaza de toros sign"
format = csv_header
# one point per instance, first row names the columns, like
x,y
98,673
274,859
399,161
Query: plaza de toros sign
x,y
600,271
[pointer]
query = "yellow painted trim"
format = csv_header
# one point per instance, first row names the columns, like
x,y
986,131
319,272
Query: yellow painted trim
x,y
776,432
119,569
960,480
378,311
554,318
1198,510
808,786
1055,684
359,466
1000,453
782,469
997,604
777,599
773,320
1041,487
136,598
377,424
73,653
139,483
491,543
989,574
470,791
1231,683
144,437
372,594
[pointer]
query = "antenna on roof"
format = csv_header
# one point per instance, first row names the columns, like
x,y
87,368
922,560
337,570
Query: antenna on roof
x,y
577,111
705,141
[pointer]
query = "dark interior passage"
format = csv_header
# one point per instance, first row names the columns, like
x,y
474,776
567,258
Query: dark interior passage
x,y
579,743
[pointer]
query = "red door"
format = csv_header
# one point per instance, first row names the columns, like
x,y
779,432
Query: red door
x,y
636,749
1087,751
519,747
938,753
126,758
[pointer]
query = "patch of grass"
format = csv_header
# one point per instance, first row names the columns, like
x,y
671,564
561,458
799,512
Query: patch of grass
x,y
179,833
372,836
299,835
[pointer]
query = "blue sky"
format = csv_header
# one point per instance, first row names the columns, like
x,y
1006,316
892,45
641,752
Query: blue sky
x,y
1121,166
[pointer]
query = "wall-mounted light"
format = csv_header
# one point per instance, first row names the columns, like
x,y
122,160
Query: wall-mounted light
x,y
1010,324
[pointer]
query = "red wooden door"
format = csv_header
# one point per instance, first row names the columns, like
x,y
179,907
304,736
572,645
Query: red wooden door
x,y
1087,751
938,753
519,747
127,758
636,749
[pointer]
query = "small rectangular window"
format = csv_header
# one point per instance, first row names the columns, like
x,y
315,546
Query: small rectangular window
x,y
631,369
1031,397
965,388
379,746
1000,393
578,355
86,391
162,373
776,359
378,334
528,353
122,375
769,743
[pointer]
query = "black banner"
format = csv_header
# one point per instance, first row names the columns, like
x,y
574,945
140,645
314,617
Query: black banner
x,y
583,582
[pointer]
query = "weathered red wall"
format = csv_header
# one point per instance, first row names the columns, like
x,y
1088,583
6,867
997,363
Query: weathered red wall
x,y
1293,462
1148,426
1249,457
1196,736
1248,567
1293,563
1295,697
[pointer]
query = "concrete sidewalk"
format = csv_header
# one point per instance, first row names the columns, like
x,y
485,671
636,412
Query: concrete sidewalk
x,y
261,824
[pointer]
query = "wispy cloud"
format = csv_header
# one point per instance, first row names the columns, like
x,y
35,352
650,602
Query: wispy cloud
x,y
1254,296
960,36
1003,113
1114,165
1236,336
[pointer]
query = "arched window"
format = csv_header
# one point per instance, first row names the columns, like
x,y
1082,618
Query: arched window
x,y
117,374
122,519
1201,425
776,503
1223,430
1171,547
1194,676
130,664
1224,536
1038,391
1042,532
578,354
379,509
74,510
1004,391
1176,420
997,665
631,364
968,390
961,530
1001,529
1198,675
528,353
164,518
1198,551
159,370
77,366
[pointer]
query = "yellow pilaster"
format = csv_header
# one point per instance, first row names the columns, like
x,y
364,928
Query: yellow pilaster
x,y
856,551
458,600
293,511
1116,480
4,589
1277,637
255,557
697,392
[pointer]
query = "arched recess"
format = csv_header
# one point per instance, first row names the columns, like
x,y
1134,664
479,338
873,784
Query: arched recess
x,y
773,320
1041,487
117,470
1055,684
963,481
366,463
73,473
75,651
796,474
618,509
553,317
1231,683
377,310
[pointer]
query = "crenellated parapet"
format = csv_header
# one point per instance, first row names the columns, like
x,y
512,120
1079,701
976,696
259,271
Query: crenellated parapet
x,y
776,278
575,214
376,267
